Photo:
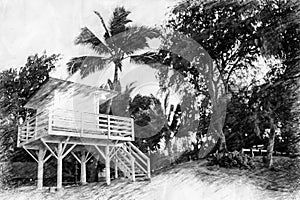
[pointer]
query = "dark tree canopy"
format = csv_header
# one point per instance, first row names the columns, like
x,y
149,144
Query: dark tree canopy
x,y
235,34
16,87
152,122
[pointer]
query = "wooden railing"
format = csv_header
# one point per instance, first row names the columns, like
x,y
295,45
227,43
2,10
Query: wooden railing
x,y
88,124
33,127
77,124
132,161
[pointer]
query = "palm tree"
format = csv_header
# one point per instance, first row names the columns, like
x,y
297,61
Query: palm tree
x,y
119,41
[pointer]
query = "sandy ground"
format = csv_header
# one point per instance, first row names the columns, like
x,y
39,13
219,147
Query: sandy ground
x,y
191,180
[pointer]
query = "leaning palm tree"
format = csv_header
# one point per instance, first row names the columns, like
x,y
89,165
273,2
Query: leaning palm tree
x,y
119,41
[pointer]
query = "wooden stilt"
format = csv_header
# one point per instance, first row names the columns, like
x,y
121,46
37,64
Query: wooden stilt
x,y
132,168
107,165
148,169
59,166
83,168
41,155
116,168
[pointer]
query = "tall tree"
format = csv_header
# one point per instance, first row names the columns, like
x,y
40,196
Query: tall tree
x,y
119,40
271,105
235,33
227,31
16,87
153,121
280,39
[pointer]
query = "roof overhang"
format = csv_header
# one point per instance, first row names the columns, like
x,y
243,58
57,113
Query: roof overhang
x,y
54,84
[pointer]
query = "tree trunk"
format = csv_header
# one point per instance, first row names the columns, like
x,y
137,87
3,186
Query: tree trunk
x,y
215,132
219,96
271,144
223,146
218,120
114,86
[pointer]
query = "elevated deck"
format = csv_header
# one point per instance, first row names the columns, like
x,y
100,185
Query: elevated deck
x,y
78,126
58,133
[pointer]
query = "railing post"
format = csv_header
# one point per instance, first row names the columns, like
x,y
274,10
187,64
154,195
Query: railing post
x,y
148,169
132,129
27,130
35,129
108,126
132,167
19,133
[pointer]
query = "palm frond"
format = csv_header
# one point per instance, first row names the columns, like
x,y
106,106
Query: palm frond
x,y
87,64
110,84
162,57
148,58
135,38
88,38
106,34
119,21
75,64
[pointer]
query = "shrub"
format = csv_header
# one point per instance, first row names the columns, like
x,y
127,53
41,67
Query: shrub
x,y
232,160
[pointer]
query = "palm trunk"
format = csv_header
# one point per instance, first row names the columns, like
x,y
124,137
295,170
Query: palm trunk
x,y
114,87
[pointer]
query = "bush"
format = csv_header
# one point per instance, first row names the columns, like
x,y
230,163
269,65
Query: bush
x,y
232,160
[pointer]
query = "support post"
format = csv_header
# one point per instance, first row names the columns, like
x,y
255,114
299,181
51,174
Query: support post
x,y
132,130
27,130
18,138
148,169
35,126
59,166
132,168
41,155
83,168
107,165
116,167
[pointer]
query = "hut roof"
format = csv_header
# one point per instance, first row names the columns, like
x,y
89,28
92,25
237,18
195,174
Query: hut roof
x,y
52,84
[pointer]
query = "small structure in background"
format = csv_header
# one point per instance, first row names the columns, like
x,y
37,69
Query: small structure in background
x,y
258,150
68,121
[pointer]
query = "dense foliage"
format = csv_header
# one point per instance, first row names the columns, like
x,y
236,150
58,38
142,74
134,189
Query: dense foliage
x,y
233,159
152,121
237,34
16,87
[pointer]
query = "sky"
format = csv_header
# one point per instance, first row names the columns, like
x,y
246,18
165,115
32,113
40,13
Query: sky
x,y
34,26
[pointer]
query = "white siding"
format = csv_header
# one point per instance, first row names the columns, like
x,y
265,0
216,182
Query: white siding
x,y
79,102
